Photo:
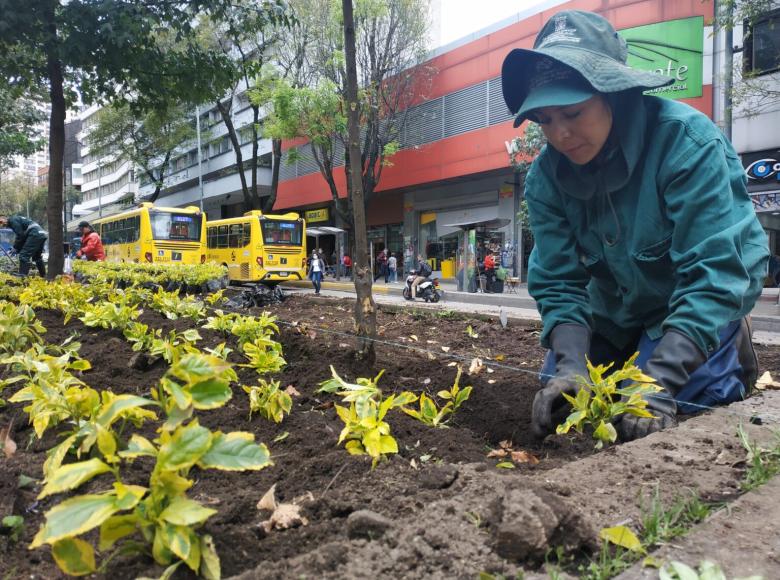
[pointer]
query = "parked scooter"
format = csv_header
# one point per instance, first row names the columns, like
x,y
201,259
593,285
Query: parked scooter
x,y
428,289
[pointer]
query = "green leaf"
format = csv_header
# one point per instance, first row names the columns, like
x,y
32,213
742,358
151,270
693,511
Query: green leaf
x,y
236,451
138,447
623,537
115,528
75,557
186,512
128,496
176,539
677,571
185,447
210,394
71,476
120,404
605,432
505,465
182,398
74,517
209,563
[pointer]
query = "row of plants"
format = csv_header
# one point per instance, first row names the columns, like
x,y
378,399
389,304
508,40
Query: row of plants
x,y
193,278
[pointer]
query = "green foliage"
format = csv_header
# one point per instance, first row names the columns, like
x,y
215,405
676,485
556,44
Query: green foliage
x,y
762,463
12,526
19,329
135,275
221,321
264,355
109,315
661,523
706,570
269,400
601,399
250,328
434,416
524,149
174,306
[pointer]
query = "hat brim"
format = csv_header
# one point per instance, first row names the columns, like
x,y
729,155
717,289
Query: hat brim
x,y
605,74
553,95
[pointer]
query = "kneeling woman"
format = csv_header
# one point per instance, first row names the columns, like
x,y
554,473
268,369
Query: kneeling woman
x,y
646,238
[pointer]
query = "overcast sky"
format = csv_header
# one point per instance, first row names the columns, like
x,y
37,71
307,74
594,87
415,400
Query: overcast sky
x,y
460,18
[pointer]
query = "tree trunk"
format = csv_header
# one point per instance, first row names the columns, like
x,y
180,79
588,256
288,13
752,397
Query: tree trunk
x,y
54,197
253,161
365,307
249,202
276,159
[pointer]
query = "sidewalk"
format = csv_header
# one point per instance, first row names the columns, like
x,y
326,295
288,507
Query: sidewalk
x,y
519,304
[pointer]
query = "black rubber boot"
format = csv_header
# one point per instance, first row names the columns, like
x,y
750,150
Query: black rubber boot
x,y
41,267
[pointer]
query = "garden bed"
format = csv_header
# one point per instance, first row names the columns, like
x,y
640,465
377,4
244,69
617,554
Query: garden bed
x,y
416,351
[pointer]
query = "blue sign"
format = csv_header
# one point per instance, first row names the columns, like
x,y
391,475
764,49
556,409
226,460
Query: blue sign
x,y
287,226
182,218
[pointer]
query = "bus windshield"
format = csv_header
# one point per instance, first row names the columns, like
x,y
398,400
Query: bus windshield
x,y
282,233
175,226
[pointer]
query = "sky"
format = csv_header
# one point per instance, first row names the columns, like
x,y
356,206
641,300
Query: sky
x,y
460,18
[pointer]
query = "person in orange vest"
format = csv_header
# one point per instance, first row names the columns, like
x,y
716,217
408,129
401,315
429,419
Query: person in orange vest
x,y
91,246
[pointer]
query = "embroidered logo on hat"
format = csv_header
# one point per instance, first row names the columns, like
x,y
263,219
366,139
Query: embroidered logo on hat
x,y
547,71
562,32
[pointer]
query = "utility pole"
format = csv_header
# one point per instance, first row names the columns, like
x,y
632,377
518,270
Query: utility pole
x,y
200,156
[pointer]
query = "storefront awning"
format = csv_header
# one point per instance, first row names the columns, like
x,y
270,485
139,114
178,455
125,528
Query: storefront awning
x,y
449,222
323,231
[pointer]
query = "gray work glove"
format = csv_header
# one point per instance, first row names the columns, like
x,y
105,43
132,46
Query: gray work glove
x,y
570,344
671,364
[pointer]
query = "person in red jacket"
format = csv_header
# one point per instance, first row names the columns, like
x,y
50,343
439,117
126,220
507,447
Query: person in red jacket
x,y
91,246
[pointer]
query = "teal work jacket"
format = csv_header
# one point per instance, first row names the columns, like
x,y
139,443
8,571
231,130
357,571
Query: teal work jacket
x,y
659,234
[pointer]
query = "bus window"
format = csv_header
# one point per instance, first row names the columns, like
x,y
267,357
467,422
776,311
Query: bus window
x,y
235,235
171,226
282,232
222,237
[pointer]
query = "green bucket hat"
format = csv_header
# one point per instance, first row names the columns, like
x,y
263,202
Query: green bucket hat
x,y
576,55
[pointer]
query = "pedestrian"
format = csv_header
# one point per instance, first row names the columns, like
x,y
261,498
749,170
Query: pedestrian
x,y
29,241
91,246
392,268
381,266
347,262
316,271
490,272
645,237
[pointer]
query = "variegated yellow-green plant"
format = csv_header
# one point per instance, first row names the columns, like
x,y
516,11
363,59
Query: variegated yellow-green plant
x,y
157,518
268,399
19,328
605,396
435,416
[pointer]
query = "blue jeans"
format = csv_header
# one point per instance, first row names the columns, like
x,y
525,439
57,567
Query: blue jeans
x,y
316,279
394,275
716,382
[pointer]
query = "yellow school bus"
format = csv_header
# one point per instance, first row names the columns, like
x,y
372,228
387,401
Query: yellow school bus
x,y
154,234
257,247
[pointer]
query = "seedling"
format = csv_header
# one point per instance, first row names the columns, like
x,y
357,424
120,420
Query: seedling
x,y
12,526
430,414
601,399
662,523
269,400
19,329
470,331
762,464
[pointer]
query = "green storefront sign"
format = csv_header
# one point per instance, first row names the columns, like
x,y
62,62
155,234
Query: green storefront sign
x,y
672,48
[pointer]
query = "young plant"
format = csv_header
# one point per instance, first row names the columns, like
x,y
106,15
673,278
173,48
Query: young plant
x,y
221,321
249,329
139,336
19,329
109,315
601,399
762,464
175,345
173,306
434,416
269,400
264,355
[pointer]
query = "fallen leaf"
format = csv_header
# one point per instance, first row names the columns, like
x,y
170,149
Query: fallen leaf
x,y
281,437
446,348
491,381
311,334
524,457
766,382
286,515
413,463
430,356
268,501
476,366
498,453
499,357
505,465
292,391
427,382
452,364
623,537
431,342
9,445
414,338
505,444
489,370
343,345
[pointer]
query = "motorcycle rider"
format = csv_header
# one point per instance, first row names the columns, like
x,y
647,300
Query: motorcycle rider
x,y
423,270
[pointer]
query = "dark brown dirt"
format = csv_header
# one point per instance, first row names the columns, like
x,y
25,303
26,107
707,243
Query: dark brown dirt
x,y
309,466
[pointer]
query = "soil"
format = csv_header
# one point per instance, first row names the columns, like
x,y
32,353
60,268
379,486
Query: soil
x,y
436,474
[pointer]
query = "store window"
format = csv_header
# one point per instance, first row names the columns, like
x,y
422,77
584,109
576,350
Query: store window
x,y
762,45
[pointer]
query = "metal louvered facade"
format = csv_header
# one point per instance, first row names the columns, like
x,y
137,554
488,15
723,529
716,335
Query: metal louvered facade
x,y
468,109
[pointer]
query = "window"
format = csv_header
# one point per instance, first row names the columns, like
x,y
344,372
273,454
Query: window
x,y
121,231
762,45
173,226
281,232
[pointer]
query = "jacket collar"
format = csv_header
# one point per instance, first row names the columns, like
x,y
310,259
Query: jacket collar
x,y
616,163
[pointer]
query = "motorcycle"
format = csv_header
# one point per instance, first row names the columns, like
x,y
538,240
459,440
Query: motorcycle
x,y
428,290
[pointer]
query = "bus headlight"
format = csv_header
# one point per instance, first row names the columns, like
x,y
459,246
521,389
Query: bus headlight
x,y
260,261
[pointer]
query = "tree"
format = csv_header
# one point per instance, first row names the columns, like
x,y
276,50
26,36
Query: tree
x,y
19,120
21,195
244,39
365,307
390,45
107,48
147,139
